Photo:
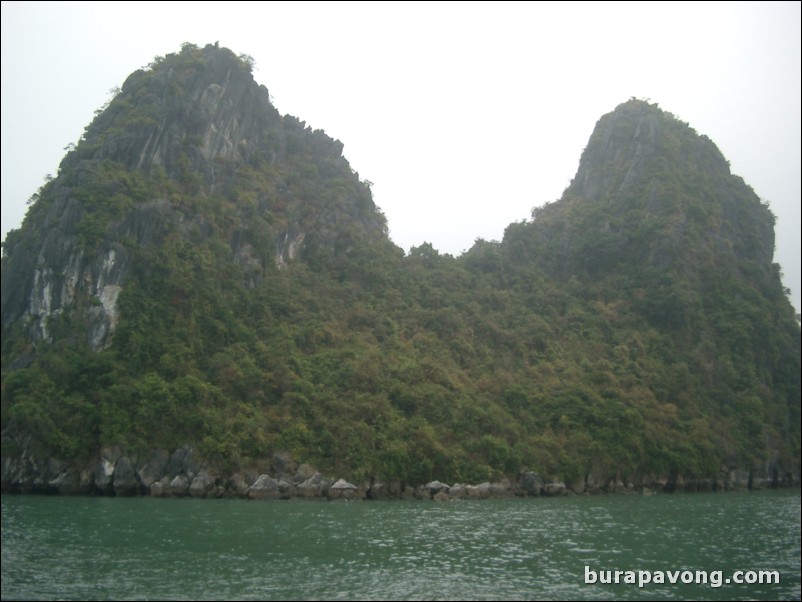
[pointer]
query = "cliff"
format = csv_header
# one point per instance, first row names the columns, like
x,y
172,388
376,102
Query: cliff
x,y
193,130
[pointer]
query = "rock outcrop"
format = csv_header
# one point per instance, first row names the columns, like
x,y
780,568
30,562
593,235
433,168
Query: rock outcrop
x,y
183,473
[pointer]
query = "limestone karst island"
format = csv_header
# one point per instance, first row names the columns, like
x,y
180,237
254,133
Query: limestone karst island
x,y
205,301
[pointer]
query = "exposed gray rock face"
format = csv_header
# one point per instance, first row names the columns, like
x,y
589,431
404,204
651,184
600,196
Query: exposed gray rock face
x,y
343,490
457,491
484,490
175,466
184,473
179,486
595,179
154,469
314,486
264,488
42,282
192,464
238,485
480,491
435,487
183,461
220,110
202,485
379,490
56,274
554,488
104,476
160,488
125,481
68,482
501,489
422,493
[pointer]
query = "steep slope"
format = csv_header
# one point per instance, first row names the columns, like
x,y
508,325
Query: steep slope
x,y
669,260
205,273
190,149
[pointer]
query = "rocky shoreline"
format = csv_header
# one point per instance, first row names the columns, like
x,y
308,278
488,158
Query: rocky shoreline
x,y
183,473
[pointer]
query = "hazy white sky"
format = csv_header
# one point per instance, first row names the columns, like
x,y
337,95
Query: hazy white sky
x,y
463,115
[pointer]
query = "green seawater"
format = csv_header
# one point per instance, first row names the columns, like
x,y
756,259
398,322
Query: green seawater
x,y
516,549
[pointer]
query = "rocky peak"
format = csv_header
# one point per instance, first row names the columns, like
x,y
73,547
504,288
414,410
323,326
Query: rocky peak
x,y
184,113
639,139
189,150
655,175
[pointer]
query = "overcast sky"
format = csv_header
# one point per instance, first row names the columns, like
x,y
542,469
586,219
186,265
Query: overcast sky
x,y
463,115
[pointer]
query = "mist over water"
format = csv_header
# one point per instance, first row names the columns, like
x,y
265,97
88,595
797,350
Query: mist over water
x,y
180,549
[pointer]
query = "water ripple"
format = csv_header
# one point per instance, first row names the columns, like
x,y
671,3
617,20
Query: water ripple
x,y
100,548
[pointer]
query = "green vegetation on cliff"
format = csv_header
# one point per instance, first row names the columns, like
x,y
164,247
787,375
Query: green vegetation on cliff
x,y
204,270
